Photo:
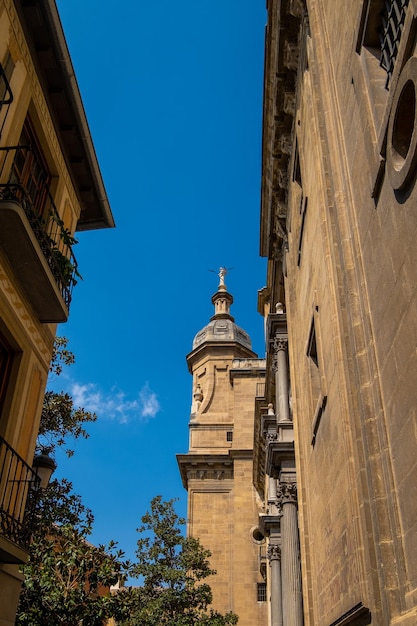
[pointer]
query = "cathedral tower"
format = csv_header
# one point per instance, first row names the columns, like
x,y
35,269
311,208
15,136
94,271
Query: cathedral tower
x,y
217,470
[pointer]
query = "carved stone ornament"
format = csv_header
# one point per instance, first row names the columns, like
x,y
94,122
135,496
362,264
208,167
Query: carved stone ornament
x,y
279,206
297,8
216,474
291,56
282,178
289,102
274,552
271,437
285,143
280,345
287,492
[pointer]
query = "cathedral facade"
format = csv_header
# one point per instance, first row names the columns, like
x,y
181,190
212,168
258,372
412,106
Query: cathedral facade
x,y
338,225
331,437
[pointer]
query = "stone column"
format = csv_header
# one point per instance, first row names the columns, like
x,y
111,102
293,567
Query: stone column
x,y
292,601
281,378
274,558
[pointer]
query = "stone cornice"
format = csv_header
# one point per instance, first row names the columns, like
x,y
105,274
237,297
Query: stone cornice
x,y
276,453
204,467
282,52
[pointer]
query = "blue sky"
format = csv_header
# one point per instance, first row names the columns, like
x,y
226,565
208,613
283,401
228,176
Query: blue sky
x,y
173,95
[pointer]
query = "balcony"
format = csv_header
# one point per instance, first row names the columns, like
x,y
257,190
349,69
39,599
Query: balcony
x,y
19,486
38,248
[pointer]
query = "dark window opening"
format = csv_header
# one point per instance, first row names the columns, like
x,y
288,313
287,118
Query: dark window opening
x,y
303,218
312,345
261,592
29,168
229,435
297,169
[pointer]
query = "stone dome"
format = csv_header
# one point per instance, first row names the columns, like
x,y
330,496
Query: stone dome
x,y
222,330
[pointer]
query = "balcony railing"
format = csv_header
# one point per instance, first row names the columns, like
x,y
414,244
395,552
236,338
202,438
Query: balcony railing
x,y
54,240
392,26
19,486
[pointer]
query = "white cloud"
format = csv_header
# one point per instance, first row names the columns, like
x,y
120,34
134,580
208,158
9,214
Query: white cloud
x,y
115,404
149,402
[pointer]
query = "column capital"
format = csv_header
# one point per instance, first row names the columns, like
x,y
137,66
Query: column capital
x,y
287,492
274,552
280,344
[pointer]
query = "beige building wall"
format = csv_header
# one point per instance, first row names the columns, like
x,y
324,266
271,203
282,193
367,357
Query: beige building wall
x,y
339,226
40,131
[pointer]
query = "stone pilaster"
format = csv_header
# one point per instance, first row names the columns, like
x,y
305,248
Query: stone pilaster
x,y
274,558
292,604
280,369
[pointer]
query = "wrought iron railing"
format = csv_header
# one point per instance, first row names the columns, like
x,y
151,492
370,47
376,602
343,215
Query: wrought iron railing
x,y
6,98
19,487
392,26
54,239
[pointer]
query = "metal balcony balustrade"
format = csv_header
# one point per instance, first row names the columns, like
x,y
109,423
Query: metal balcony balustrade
x,y
54,240
19,487
392,26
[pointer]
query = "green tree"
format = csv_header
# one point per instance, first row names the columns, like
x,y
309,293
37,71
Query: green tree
x,y
172,570
65,575
65,579
61,421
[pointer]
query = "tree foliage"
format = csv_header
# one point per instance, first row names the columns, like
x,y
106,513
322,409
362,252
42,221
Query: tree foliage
x,y
67,580
173,570
61,421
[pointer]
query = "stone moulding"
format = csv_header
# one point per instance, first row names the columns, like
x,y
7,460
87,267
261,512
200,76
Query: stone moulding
x,y
283,56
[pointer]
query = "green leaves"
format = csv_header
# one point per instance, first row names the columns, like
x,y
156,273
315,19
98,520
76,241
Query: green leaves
x,y
61,421
67,580
170,567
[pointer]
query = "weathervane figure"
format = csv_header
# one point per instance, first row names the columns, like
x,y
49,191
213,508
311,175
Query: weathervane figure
x,y
222,273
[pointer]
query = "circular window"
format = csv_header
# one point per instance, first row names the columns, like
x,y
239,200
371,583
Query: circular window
x,y
403,127
257,535
402,135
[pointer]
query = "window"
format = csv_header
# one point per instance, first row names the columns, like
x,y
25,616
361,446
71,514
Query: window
x,y
30,170
6,358
296,175
6,95
393,19
303,211
6,71
261,592
380,31
312,345
317,385
229,435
